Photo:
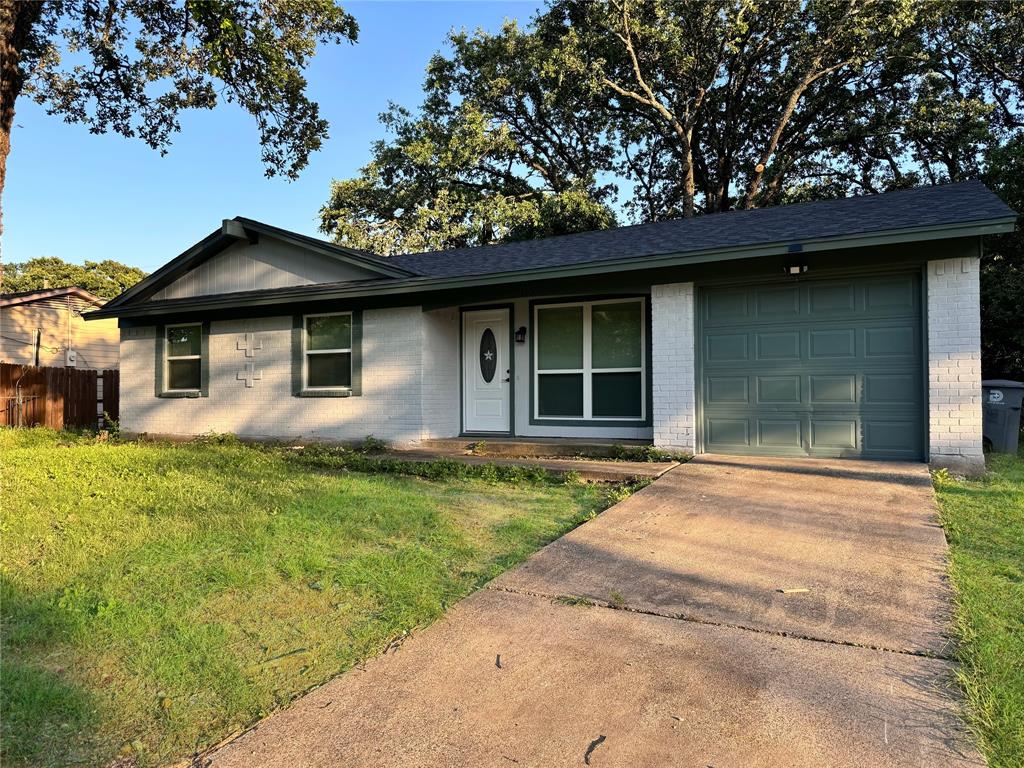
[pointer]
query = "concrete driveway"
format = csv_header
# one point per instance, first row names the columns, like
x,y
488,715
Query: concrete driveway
x,y
657,634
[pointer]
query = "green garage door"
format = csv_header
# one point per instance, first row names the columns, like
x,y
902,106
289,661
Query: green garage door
x,y
814,368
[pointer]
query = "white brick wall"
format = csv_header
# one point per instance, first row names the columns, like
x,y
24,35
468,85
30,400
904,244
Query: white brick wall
x,y
954,363
672,358
389,408
441,402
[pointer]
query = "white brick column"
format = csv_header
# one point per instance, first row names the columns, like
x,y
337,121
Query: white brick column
x,y
954,364
672,360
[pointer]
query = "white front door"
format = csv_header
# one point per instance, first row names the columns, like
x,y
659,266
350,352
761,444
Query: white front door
x,y
486,371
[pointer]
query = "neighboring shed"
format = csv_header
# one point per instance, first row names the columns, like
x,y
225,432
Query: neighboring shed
x,y
51,319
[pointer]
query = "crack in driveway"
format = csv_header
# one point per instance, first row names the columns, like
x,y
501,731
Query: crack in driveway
x,y
694,619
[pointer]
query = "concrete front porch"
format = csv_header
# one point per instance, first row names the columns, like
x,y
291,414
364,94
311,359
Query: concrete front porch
x,y
500,445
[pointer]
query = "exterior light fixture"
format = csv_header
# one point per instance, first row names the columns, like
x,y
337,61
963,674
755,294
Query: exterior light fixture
x,y
796,269
521,334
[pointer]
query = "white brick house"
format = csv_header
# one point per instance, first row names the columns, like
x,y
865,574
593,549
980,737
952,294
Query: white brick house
x,y
839,328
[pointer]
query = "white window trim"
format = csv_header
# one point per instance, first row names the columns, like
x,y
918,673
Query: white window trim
x,y
307,352
168,357
588,370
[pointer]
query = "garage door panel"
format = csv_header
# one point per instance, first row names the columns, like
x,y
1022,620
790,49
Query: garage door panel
x,y
898,341
778,345
823,368
834,434
778,303
833,389
780,433
729,390
893,436
726,305
734,433
892,294
832,299
892,389
776,390
726,347
831,343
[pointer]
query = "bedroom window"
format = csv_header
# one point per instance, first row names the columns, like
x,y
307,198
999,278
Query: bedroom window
x,y
183,358
589,361
327,352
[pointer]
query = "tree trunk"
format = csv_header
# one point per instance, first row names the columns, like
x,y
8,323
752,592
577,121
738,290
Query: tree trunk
x,y
689,188
773,143
17,17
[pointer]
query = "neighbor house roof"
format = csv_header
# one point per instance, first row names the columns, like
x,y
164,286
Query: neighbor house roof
x,y
24,297
923,213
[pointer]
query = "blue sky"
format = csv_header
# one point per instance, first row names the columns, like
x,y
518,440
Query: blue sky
x,y
78,196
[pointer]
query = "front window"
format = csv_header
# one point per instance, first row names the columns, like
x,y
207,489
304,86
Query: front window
x,y
184,358
589,360
327,351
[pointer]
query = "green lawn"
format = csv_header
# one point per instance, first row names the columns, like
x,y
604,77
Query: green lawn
x,y
156,598
984,521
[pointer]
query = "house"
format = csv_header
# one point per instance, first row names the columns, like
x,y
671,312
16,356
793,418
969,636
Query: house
x,y
47,327
842,328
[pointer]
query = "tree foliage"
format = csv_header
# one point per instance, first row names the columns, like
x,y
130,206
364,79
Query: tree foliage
x,y
499,151
641,110
650,109
1002,272
132,66
105,278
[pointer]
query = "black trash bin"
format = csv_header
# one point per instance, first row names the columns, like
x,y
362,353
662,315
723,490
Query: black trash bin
x,y
1001,405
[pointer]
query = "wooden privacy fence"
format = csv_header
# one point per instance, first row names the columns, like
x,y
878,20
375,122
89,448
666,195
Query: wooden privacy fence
x,y
57,397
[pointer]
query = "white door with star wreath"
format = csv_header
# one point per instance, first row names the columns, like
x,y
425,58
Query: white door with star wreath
x,y
486,371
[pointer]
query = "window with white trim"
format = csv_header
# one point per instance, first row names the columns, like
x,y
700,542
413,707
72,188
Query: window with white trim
x,y
327,352
589,361
183,358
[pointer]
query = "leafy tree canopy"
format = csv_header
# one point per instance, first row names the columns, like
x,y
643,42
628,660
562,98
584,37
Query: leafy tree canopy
x,y
1002,271
132,66
638,110
105,278
647,109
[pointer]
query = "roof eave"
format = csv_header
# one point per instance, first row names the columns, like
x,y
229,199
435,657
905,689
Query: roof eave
x,y
424,284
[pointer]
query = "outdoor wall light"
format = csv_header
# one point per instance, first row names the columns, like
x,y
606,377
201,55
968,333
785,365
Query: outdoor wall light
x,y
521,334
796,269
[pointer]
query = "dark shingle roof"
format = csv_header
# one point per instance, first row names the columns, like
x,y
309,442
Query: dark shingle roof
x,y
904,209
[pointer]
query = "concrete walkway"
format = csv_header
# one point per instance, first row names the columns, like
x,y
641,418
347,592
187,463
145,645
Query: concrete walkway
x,y
657,635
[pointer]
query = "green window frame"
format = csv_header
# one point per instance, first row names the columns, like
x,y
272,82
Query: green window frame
x,y
312,362
594,373
171,361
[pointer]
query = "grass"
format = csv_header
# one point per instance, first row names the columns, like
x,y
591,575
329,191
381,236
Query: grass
x,y
156,597
984,522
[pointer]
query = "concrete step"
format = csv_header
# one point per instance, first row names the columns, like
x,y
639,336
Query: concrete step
x,y
527,447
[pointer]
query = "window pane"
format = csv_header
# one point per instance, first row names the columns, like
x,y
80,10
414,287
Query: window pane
x,y
617,395
616,335
560,338
560,394
330,332
183,374
333,370
184,341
